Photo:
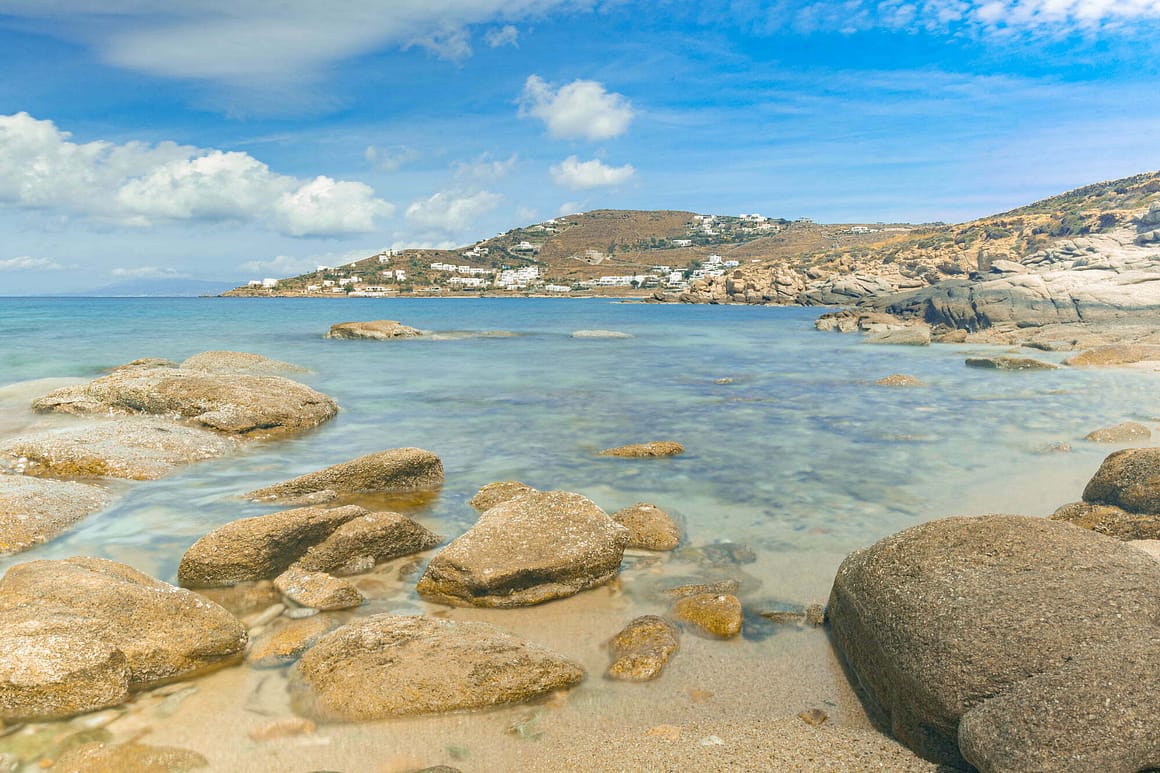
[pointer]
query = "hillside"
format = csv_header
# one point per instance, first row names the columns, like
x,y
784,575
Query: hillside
x,y
677,255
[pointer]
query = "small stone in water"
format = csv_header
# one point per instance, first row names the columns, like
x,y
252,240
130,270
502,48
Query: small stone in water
x,y
813,717
169,706
267,615
526,728
300,612
282,728
815,614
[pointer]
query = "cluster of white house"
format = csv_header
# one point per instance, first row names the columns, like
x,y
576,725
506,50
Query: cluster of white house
x,y
716,225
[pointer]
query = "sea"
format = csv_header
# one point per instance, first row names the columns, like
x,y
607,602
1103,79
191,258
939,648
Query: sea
x,y
794,458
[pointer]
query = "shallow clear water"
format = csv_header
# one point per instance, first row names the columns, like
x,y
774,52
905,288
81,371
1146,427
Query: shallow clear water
x,y
799,455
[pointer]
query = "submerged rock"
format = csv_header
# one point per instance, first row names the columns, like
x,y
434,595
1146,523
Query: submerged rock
x,y
899,380
1009,363
135,757
317,590
918,335
642,649
1124,432
600,334
259,548
53,676
163,631
379,330
286,642
717,615
525,551
253,406
365,541
240,362
131,448
1129,479
33,510
943,618
1115,354
493,493
394,470
389,666
654,448
649,527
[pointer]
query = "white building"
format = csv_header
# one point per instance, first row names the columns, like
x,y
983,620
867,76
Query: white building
x,y
269,283
557,288
682,242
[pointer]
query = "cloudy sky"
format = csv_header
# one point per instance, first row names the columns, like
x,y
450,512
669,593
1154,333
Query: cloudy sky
x,y
237,139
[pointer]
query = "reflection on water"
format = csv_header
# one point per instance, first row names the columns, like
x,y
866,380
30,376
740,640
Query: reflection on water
x,y
793,455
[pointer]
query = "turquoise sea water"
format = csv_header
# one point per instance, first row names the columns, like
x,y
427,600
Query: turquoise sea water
x,y
792,451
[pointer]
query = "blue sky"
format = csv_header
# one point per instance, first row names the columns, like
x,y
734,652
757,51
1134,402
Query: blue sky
x,y
237,139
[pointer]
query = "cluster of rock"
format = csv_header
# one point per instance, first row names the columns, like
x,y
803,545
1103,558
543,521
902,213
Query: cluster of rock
x,y
377,330
140,422
1012,643
783,284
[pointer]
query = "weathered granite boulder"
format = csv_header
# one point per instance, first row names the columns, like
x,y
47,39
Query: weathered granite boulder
x,y
1115,354
1124,432
1111,520
163,631
649,527
899,380
501,491
365,541
317,590
240,362
641,649
717,615
389,666
1008,363
1129,479
379,330
918,335
259,548
253,406
53,676
653,448
130,448
394,470
943,618
135,757
526,551
33,510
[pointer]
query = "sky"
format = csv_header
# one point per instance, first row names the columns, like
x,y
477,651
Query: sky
x,y
230,140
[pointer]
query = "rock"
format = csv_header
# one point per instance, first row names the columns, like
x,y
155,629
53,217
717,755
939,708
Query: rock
x,y
717,615
949,337
493,493
33,511
942,618
259,548
1115,354
246,600
285,643
906,336
365,541
1110,520
641,650
654,448
317,590
1009,363
813,716
253,406
726,587
389,666
525,551
164,632
1106,720
394,470
1149,547
131,448
53,676
289,727
379,330
816,614
239,362
1124,432
145,363
649,527
1000,266
600,334
899,380
1129,479
135,757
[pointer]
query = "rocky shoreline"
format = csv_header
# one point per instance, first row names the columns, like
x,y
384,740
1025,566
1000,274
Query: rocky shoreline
x,y
958,633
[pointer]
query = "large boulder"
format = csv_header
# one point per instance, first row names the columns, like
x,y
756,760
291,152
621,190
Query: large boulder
x,y
389,666
240,362
653,448
33,510
361,543
1129,479
253,406
52,676
259,548
379,330
943,618
163,631
528,550
130,448
394,470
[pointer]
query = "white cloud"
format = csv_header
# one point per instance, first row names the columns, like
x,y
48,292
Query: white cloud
x,y
449,212
142,185
568,208
506,35
283,265
149,272
390,160
486,167
27,263
526,214
580,175
580,110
